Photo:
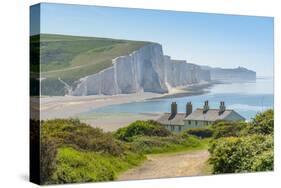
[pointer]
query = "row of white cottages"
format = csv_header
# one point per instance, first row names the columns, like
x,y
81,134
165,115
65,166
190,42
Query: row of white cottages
x,y
177,122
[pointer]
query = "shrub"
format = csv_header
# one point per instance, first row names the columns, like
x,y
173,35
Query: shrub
x,y
59,133
263,123
77,166
228,129
199,132
145,128
80,135
242,154
154,144
263,162
48,152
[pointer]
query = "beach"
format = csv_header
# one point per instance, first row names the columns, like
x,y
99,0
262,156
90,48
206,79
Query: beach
x,y
52,107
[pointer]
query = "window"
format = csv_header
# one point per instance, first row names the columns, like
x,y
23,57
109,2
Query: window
x,y
196,122
173,127
189,122
179,128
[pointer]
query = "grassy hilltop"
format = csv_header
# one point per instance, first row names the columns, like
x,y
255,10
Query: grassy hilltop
x,y
73,57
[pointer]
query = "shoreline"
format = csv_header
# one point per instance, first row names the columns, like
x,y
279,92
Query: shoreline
x,y
190,90
52,107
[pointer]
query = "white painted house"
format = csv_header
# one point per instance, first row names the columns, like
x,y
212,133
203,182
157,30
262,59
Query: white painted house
x,y
201,117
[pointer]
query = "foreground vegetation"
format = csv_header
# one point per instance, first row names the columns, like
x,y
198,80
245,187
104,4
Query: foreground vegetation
x,y
72,151
240,146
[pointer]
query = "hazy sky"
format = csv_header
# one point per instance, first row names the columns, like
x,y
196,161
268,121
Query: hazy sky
x,y
207,39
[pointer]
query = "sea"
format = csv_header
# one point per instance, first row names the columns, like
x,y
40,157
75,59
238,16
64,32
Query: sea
x,y
246,98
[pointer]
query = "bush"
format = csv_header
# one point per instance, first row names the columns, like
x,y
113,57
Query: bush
x,y
263,123
48,152
80,135
228,129
153,144
145,128
60,133
76,166
199,132
242,154
264,161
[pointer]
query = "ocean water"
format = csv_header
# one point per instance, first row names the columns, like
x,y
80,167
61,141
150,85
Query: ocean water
x,y
246,98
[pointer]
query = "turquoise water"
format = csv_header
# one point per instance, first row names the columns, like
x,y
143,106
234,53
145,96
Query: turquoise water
x,y
246,98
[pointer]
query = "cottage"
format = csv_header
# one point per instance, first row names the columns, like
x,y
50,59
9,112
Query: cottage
x,y
173,121
176,122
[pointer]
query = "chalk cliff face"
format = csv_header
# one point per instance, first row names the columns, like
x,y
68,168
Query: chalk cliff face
x,y
144,70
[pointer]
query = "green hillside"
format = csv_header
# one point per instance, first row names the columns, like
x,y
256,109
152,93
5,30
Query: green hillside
x,y
73,57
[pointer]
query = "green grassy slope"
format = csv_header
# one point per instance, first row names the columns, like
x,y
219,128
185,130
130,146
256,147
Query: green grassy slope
x,y
73,57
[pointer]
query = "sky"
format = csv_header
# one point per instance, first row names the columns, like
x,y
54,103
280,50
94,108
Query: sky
x,y
217,40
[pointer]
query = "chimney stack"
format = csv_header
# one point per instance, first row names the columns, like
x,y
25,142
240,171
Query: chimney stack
x,y
222,107
206,107
188,109
174,108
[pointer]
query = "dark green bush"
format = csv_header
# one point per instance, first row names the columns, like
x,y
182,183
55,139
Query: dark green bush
x,y
263,123
59,133
145,128
154,144
243,147
199,132
242,154
228,128
264,161
80,136
48,152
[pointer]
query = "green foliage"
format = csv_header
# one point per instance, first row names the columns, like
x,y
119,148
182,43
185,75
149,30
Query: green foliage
x,y
145,128
228,128
72,151
60,133
76,166
75,152
242,154
48,152
263,123
81,136
243,147
264,161
174,143
205,132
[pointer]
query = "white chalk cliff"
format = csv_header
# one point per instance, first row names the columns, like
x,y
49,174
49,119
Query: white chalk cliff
x,y
144,70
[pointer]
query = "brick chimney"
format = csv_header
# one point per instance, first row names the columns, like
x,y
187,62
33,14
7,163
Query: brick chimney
x,y
174,108
188,109
206,106
222,107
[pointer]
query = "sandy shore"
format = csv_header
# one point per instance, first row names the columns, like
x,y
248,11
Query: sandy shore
x,y
71,106
74,106
78,106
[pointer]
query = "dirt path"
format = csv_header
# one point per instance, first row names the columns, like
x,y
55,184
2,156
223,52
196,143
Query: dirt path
x,y
169,165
